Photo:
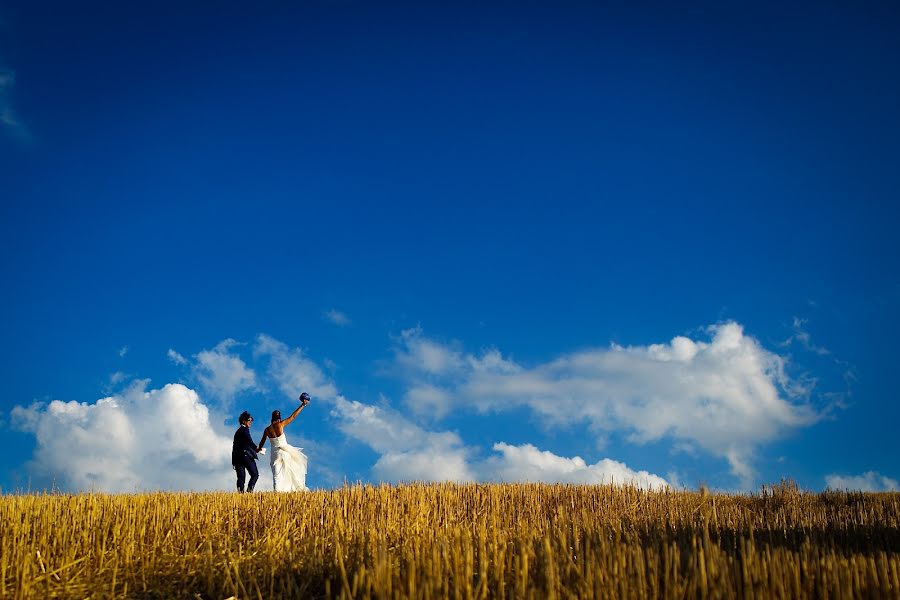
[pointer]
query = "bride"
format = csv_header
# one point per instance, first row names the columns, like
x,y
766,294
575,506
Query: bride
x,y
288,463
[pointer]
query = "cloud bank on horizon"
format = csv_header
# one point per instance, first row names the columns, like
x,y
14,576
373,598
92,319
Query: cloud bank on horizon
x,y
135,440
869,481
726,396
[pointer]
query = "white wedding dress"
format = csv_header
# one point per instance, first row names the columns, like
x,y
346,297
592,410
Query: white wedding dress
x,y
288,466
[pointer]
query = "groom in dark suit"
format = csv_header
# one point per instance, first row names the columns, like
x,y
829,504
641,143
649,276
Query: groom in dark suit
x,y
243,453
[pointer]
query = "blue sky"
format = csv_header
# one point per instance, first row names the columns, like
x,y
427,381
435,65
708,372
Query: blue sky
x,y
515,241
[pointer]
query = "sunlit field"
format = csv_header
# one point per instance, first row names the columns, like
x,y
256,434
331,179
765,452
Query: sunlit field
x,y
452,541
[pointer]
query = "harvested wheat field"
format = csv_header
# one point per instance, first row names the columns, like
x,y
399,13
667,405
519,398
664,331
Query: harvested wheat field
x,y
452,541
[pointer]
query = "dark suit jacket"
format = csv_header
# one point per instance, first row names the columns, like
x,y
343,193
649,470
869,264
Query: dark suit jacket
x,y
242,441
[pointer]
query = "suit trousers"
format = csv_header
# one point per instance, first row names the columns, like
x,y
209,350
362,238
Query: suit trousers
x,y
244,465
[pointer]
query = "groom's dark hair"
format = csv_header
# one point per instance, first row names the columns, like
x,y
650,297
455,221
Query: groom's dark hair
x,y
245,416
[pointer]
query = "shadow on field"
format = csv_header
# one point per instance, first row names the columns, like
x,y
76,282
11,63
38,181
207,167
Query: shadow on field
x,y
255,578
859,539
312,582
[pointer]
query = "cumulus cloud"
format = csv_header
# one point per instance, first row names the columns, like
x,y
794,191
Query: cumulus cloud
x,y
528,463
431,365
222,373
407,452
867,482
137,440
292,371
337,317
422,355
426,399
727,395
123,351
724,394
410,453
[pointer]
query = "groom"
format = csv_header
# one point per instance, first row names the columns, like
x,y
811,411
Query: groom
x,y
243,453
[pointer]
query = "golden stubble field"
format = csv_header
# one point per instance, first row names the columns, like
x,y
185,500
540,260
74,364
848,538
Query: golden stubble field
x,y
452,541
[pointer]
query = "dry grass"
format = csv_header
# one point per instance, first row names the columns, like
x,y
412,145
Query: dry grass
x,y
452,541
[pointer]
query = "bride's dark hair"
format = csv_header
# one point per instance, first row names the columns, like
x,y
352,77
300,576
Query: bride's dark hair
x,y
276,415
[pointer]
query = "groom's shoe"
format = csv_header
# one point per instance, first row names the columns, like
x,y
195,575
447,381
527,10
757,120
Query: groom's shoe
x,y
241,490
249,490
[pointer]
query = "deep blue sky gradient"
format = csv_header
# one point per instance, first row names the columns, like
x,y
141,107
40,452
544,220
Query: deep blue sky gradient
x,y
537,177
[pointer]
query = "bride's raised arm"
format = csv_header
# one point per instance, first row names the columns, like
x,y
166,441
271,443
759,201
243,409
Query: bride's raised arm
x,y
304,400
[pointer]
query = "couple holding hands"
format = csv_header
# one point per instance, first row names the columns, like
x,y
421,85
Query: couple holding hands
x,y
288,463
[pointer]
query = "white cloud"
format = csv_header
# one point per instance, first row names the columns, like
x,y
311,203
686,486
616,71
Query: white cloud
x,y
411,453
418,465
164,439
727,395
431,363
223,374
527,463
867,482
293,372
123,351
176,358
408,452
385,430
425,356
137,440
337,317
724,394
426,399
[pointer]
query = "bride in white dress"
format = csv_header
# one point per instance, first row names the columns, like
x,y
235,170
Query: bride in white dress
x,y
288,463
